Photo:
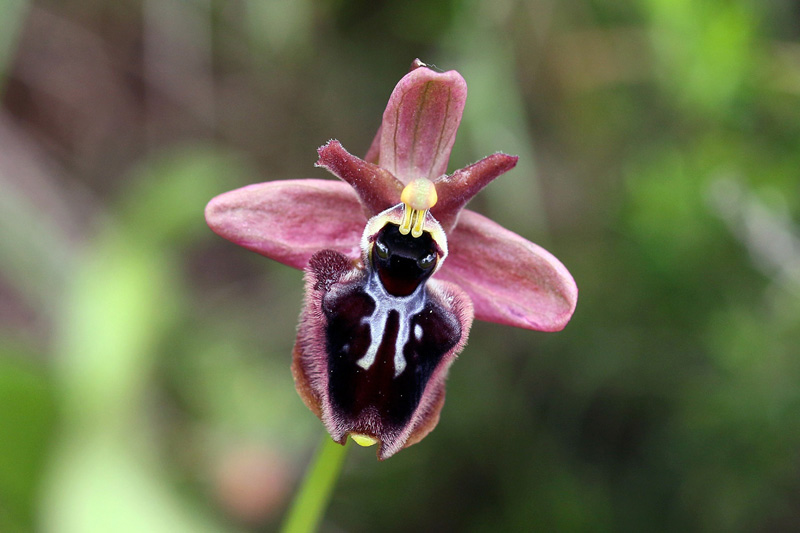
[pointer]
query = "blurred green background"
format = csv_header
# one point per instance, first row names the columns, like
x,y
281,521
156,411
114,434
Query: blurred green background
x,y
144,361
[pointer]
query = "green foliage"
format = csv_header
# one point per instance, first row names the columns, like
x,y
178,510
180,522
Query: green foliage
x,y
27,419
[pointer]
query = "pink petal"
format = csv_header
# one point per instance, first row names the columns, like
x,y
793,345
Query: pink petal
x,y
290,220
510,280
420,122
457,189
376,187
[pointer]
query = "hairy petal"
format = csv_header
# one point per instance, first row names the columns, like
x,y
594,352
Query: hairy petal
x,y
289,221
376,187
420,122
510,280
457,189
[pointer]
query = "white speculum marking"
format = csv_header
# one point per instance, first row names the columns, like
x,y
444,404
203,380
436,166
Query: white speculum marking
x,y
406,307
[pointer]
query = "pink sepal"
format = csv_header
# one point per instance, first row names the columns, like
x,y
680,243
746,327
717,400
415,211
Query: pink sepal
x,y
289,221
509,279
420,122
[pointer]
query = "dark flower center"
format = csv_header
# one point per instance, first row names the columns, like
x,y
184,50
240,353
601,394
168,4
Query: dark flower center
x,y
403,261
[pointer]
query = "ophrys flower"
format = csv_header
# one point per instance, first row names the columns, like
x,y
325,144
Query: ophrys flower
x,y
395,266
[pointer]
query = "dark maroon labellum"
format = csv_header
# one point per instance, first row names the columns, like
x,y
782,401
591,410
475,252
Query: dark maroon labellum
x,y
378,380
384,334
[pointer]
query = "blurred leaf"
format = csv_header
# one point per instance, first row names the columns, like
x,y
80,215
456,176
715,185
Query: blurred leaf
x,y
237,387
124,296
119,302
27,416
706,50
101,485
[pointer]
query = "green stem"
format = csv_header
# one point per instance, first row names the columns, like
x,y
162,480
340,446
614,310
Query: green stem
x,y
312,499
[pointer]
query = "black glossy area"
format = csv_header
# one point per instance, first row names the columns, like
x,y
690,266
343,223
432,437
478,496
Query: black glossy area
x,y
403,261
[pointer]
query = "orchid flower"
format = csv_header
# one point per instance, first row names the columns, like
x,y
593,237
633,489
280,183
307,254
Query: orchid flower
x,y
395,267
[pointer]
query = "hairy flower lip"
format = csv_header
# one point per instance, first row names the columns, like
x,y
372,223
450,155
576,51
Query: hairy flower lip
x,y
328,268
